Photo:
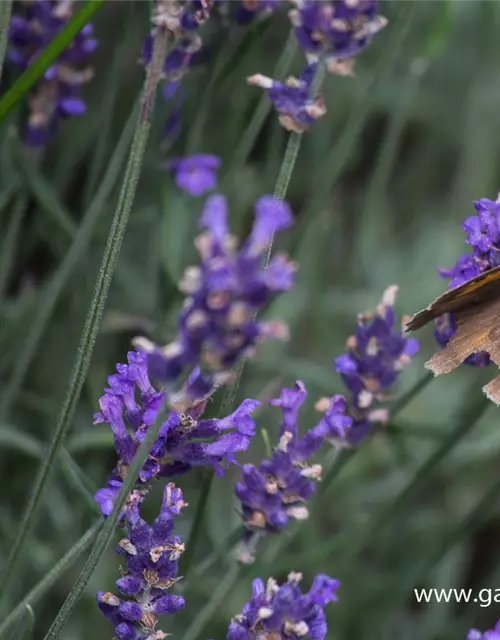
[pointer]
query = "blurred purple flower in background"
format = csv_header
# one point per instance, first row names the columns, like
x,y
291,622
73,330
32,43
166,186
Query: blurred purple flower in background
x,y
197,174
483,235
131,405
376,354
337,29
297,109
218,323
492,634
276,611
278,489
152,554
57,95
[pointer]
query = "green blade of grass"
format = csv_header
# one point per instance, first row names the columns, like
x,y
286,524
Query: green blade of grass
x,y
48,580
96,309
5,13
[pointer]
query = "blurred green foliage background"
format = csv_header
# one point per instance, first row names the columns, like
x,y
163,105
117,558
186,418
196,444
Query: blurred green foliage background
x,y
379,192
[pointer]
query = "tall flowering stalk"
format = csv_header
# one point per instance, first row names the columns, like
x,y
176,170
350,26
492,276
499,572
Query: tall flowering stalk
x,y
57,95
492,634
376,355
276,611
151,553
277,490
483,235
218,322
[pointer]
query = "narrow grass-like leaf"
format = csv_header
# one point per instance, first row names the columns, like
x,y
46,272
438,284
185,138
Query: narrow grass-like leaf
x,y
52,576
28,627
48,56
59,280
94,315
5,13
10,241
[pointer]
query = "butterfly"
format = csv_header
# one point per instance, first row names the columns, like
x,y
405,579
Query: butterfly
x,y
476,308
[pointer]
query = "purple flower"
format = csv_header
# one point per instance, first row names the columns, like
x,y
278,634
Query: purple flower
x,y
375,356
57,95
278,489
492,634
151,553
292,99
338,29
218,323
196,174
276,611
483,235
131,405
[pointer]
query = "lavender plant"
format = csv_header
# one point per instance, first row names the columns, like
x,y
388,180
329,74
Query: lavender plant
x,y
161,409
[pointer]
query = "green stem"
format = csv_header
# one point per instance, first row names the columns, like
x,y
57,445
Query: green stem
x,y
94,315
5,13
206,612
207,477
264,106
107,531
11,239
46,583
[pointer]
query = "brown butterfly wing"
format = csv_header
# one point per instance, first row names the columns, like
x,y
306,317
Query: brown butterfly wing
x,y
478,329
470,294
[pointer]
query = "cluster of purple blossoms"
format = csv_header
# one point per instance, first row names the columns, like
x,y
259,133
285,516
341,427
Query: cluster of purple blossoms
x,y
218,323
292,99
152,553
284,611
483,235
492,634
337,30
131,405
57,94
196,174
334,31
375,356
278,489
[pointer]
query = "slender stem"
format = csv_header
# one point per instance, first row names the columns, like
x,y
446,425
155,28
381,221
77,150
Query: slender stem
x,y
207,477
48,580
107,531
264,106
206,612
11,239
5,13
94,315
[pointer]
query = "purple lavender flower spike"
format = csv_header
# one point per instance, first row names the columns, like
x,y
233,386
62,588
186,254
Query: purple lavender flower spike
x,y
278,489
483,235
152,555
276,611
131,405
292,99
375,356
56,96
218,324
197,174
492,634
337,29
